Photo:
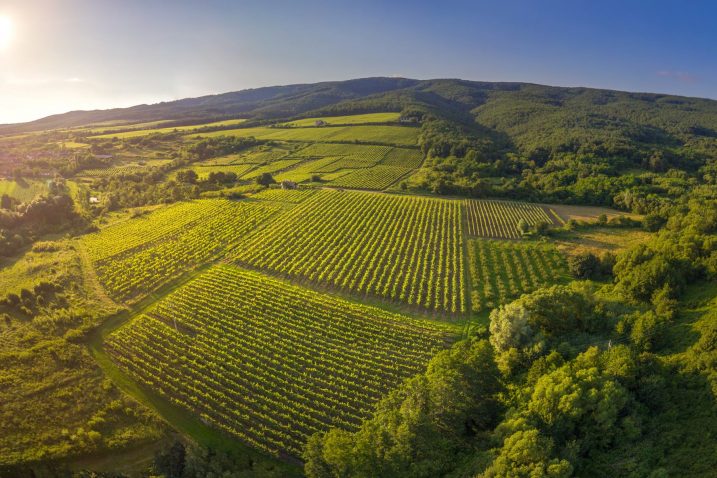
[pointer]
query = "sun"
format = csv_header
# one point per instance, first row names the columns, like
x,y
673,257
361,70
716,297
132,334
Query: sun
x,y
5,31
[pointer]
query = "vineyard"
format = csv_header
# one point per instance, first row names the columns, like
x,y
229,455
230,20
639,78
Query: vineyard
x,y
134,257
499,219
502,270
282,195
398,248
360,152
269,362
394,135
376,177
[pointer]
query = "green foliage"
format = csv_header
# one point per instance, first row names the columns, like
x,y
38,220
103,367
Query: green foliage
x,y
420,425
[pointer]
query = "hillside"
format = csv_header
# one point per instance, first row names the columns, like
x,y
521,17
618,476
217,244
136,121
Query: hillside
x,y
543,143
379,277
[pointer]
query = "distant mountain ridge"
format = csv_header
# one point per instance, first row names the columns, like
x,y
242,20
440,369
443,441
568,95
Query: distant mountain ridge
x,y
450,97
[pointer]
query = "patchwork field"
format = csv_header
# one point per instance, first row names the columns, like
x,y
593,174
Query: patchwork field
x,y
269,362
398,248
503,270
499,219
134,257
394,135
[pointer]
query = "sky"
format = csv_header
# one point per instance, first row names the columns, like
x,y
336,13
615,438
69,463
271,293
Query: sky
x,y
62,55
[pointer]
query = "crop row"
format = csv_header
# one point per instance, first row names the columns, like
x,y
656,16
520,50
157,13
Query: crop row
x,y
270,362
499,219
503,270
398,248
134,273
376,178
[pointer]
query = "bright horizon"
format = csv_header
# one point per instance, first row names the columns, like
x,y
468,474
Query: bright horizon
x,y
146,52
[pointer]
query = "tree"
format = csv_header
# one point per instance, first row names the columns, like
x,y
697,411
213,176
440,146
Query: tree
x,y
585,265
527,454
188,176
523,227
265,179
171,463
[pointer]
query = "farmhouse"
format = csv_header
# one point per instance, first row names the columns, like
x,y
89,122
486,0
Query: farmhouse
x,y
94,200
319,123
286,184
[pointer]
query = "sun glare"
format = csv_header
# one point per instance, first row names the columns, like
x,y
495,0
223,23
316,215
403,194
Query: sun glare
x,y
5,31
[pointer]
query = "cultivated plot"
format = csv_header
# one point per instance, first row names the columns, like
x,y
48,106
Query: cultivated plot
x,y
399,248
503,270
134,257
499,219
269,362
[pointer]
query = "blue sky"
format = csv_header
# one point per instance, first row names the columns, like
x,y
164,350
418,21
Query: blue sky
x,y
83,54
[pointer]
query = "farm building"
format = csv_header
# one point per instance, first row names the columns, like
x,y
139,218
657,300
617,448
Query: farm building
x,y
286,184
94,200
319,123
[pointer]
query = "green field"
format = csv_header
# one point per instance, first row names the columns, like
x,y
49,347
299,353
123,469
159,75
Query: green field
x,y
171,129
134,257
396,248
346,120
24,190
503,270
499,219
268,362
398,135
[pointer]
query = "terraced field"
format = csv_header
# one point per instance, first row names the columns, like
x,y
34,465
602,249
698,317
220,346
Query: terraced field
x,y
499,219
269,362
503,270
134,257
398,248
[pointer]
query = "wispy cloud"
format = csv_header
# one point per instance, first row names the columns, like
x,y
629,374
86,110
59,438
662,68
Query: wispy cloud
x,y
681,76
74,79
